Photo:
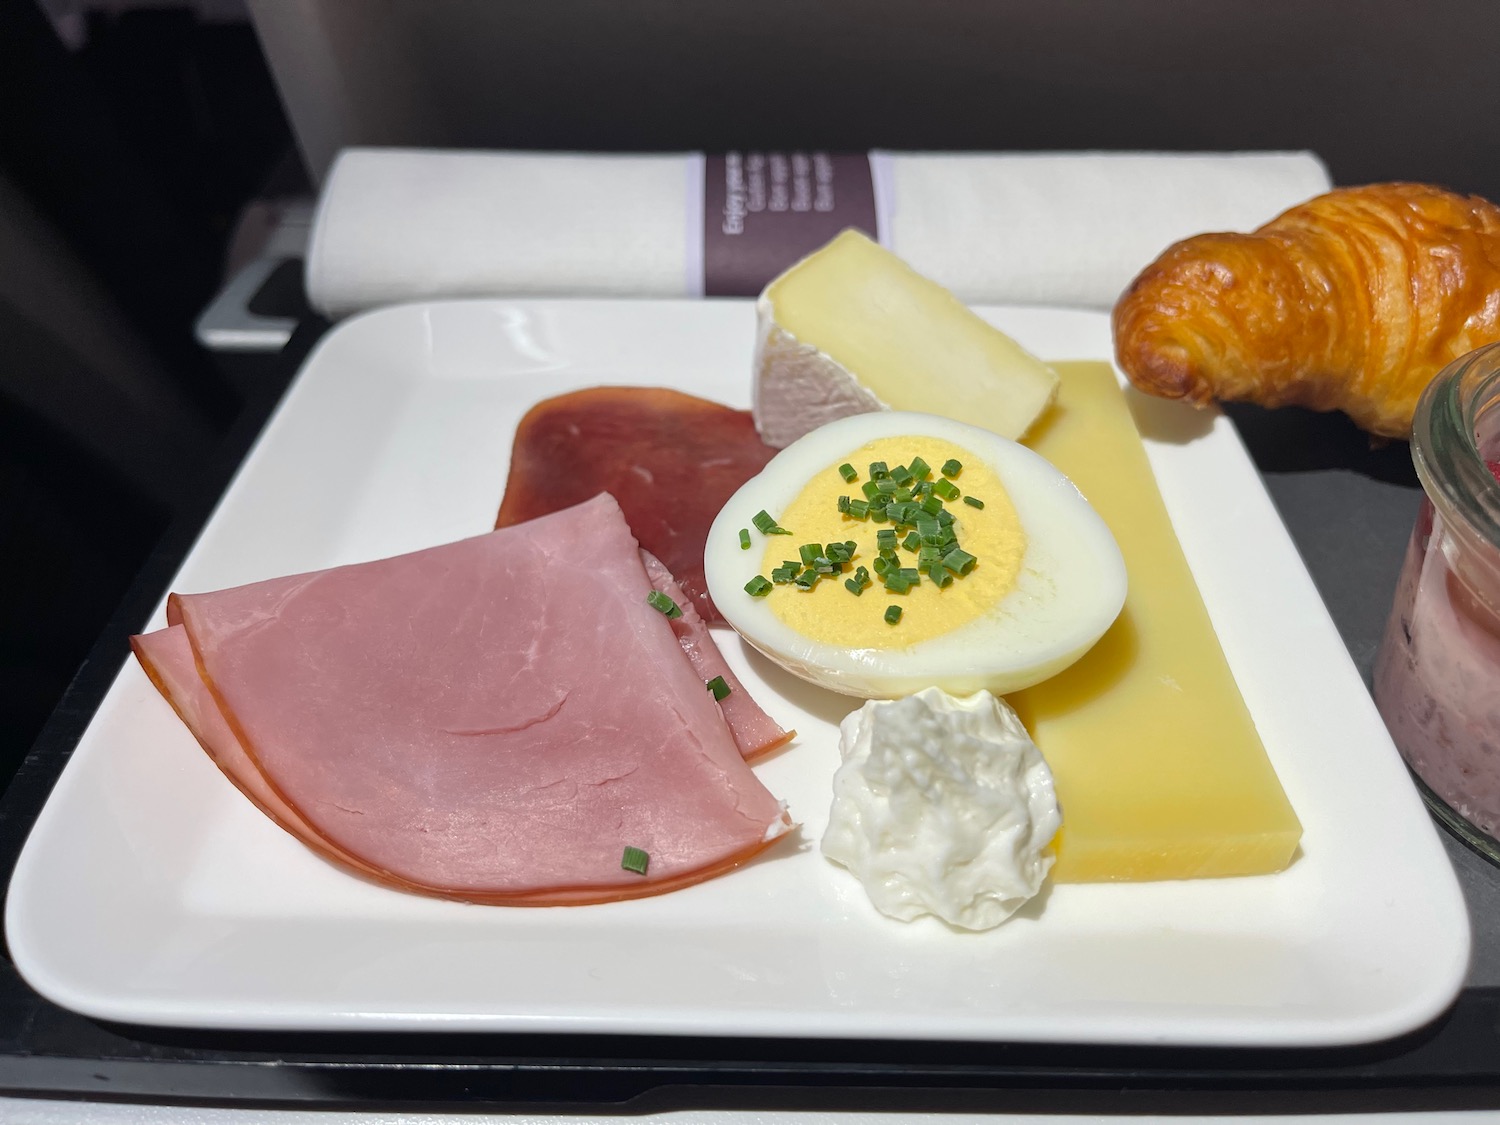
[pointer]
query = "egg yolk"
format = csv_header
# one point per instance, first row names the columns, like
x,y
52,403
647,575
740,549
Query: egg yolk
x,y
831,614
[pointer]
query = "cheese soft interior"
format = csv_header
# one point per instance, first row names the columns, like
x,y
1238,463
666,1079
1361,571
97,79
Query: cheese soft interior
x,y
977,565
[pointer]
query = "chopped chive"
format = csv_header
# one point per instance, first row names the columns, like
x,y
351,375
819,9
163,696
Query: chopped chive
x,y
932,505
854,586
766,525
757,587
919,468
863,575
844,504
859,509
902,495
882,564
911,574
922,488
945,489
885,537
847,471
851,546
912,541
902,475
878,513
952,468
895,584
973,501
926,557
659,601
892,614
878,470
871,489
945,517
634,859
887,486
718,687
959,561
941,576
744,538
782,574
807,579
809,551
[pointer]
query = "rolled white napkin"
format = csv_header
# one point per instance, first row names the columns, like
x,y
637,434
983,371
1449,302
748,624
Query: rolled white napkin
x,y
1075,228
397,225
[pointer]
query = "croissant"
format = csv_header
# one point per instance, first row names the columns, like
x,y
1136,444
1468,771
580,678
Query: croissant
x,y
1351,301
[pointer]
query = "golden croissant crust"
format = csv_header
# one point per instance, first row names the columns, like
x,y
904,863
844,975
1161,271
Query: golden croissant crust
x,y
1351,301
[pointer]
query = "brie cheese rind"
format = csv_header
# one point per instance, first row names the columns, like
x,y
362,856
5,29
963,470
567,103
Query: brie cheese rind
x,y
797,387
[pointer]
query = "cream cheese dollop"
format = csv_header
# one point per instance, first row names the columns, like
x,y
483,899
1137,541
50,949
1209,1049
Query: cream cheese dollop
x,y
942,806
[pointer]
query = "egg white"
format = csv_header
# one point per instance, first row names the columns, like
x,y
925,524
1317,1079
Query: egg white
x,y
1070,589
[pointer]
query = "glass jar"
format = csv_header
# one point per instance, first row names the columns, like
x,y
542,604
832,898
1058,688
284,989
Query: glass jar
x,y
1437,675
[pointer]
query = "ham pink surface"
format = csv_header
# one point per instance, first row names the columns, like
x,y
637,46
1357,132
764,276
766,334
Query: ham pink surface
x,y
494,720
755,732
167,656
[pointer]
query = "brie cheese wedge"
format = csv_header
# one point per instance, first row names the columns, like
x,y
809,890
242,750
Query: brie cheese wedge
x,y
852,329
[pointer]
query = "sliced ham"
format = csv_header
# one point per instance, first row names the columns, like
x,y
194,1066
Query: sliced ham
x,y
671,459
755,732
167,656
494,720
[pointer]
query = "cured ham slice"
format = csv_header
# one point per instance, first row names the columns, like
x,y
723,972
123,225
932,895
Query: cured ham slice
x,y
754,732
494,720
672,461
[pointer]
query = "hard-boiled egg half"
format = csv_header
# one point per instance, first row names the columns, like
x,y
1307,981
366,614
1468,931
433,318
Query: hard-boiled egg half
x,y
977,564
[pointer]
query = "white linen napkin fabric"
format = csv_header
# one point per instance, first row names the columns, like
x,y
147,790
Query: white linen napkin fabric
x,y
397,225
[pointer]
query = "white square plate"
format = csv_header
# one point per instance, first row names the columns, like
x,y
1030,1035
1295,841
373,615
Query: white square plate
x,y
150,891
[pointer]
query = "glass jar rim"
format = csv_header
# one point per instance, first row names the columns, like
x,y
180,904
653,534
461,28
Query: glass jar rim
x,y
1445,443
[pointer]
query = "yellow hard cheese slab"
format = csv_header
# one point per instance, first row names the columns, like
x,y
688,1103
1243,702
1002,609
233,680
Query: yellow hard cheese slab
x,y
1159,770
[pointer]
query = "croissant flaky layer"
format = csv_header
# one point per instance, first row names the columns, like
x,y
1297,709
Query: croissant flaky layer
x,y
1351,301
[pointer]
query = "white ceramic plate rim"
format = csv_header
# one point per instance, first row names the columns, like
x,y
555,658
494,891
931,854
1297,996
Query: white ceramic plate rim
x,y
151,892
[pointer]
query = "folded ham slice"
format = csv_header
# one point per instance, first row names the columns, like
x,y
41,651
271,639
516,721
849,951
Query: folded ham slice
x,y
493,720
755,732
167,656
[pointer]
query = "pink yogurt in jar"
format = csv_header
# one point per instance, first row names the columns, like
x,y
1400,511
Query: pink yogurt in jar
x,y
1437,676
